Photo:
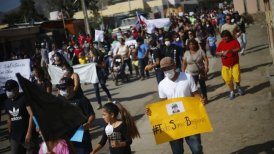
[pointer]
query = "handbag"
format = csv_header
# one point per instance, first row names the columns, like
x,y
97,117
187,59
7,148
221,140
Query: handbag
x,y
202,73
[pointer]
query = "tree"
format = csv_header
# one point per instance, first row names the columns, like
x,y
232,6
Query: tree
x,y
26,13
70,7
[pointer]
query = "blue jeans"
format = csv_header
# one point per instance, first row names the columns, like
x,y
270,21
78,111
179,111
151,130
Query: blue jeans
x,y
102,81
142,64
194,143
159,75
212,50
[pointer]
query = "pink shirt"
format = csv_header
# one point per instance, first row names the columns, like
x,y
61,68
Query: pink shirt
x,y
60,148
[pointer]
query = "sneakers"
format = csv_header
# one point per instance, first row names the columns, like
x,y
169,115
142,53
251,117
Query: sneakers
x,y
99,107
231,95
240,91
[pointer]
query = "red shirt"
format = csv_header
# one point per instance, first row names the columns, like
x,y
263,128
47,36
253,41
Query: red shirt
x,y
77,51
231,58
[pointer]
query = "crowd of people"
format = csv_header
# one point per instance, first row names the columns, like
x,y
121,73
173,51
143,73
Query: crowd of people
x,y
177,54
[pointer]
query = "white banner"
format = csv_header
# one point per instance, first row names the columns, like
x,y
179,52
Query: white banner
x,y
86,72
8,69
157,23
131,43
99,35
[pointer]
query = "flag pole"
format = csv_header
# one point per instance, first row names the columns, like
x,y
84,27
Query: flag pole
x,y
40,132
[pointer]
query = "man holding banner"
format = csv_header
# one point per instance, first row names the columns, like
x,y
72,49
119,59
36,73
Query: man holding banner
x,y
175,85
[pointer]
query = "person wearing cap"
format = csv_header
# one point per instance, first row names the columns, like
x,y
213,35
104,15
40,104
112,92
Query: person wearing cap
x,y
65,89
175,108
174,85
19,119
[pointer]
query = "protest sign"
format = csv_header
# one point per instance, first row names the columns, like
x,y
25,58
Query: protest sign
x,y
99,36
178,118
86,72
8,69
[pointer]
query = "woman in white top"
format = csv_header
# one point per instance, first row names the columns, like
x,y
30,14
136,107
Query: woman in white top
x,y
123,53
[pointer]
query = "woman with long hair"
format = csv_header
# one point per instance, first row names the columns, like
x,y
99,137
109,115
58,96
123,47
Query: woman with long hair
x,y
119,132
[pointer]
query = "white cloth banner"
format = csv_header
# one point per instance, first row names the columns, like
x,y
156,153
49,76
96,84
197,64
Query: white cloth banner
x,y
8,69
131,42
99,35
86,72
157,23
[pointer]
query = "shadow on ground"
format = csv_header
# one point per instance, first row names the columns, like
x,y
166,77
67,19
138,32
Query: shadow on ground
x,y
266,148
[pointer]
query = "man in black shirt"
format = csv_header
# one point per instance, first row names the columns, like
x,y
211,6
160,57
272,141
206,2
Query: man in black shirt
x,y
19,119
66,90
170,50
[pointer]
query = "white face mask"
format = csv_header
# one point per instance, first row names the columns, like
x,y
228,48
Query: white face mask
x,y
109,129
167,43
10,94
170,73
63,93
177,39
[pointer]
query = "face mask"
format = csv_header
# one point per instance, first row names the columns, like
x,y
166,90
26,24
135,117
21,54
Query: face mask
x,y
63,93
170,74
167,43
207,25
177,39
65,72
36,78
109,129
10,94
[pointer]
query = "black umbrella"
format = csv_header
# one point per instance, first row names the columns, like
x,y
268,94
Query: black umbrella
x,y
56,117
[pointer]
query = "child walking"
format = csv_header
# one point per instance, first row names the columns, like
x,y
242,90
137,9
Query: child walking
x,y
211,41
118,132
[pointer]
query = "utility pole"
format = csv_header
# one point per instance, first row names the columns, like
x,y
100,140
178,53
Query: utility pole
x,y
129,5
167,7
85,17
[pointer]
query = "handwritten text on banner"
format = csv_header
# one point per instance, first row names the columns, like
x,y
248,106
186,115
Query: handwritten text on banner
x,y
178,118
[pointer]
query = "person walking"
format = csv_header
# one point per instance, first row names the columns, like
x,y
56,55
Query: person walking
x,y
97,57
228,50
19,120
118,132
142,54
174,85
66,90
195,62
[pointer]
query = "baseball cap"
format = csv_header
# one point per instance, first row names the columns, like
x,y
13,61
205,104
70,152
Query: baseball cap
x,y
166,62
174,105
11,84
64,83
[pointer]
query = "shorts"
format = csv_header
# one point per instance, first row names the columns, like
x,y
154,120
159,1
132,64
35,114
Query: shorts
x,y
232,73
135,63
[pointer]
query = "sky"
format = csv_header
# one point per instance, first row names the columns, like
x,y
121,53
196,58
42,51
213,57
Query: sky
x,y
6,5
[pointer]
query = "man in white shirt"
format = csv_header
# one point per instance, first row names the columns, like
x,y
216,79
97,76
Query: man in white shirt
x,y
179,84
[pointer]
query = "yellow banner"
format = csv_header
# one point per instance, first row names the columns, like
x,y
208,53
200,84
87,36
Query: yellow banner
x,y
178,118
